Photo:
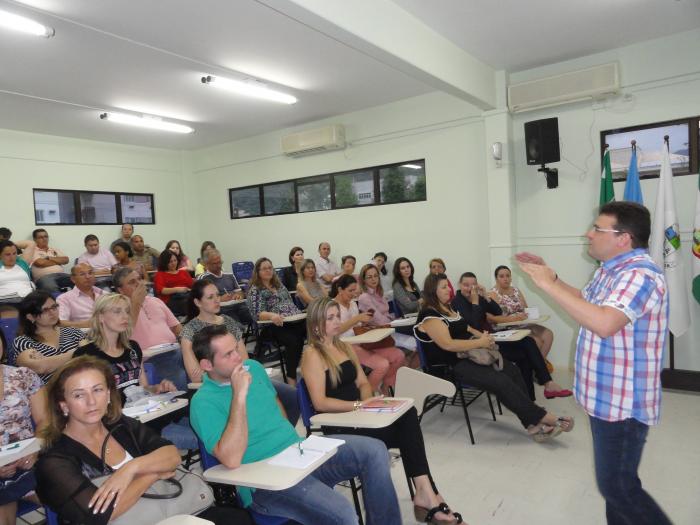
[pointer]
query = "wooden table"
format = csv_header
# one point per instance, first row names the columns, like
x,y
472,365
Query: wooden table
x,y
372,336
525,322
360,418
262,475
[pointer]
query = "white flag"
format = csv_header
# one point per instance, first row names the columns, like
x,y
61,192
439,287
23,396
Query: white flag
x,y
665,248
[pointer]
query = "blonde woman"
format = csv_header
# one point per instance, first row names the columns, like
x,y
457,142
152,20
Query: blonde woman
x,y
308,287
337,383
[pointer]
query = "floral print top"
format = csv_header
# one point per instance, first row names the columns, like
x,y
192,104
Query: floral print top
x,y
277,301
19,384
509,303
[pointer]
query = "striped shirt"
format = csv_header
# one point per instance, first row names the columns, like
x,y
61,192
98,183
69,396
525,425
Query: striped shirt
x,y
618,377
68,339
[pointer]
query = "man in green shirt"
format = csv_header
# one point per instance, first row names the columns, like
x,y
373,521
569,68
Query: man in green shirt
x,y
239,418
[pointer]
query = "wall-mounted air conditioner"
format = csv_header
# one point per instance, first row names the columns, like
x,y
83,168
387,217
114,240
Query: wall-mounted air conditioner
x,y
593,82
327,138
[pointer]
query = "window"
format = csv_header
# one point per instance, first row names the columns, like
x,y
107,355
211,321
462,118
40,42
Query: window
x,y
314,194
91,207
279,198
683,147
387,184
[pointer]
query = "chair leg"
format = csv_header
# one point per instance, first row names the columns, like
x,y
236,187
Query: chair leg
x,y
498,403
493,414
466,414
444,402
410,487
356,500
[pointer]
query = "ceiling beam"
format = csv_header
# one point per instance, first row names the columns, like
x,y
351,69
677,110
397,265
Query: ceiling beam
x,y
384,31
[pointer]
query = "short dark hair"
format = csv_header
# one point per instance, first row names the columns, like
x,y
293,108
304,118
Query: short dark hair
x,y
5,243
294,250
430,298
90,237
197,292
631,218
32,305
164,259
498,269
37,232
201,342
120,275
467,274
124,246
5,233
343,282
346,257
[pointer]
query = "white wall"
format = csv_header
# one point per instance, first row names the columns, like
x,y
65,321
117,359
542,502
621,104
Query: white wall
x,y
30,160
661,79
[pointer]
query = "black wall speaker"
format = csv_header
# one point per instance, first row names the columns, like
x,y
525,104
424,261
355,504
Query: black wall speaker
x,y
542,141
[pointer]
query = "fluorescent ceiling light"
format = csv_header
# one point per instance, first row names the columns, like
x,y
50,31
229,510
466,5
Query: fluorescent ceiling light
x,y
25,25
146,122
251,88
412,166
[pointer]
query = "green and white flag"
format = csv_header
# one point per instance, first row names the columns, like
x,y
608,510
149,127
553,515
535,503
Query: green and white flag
x,y
696,247
607,190
664,248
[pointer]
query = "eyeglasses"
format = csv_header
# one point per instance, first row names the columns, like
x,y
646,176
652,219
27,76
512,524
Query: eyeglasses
x,y
48,309
598,229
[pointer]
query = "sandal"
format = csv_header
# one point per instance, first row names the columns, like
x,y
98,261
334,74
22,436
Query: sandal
x,y
565,421
428,516
543,435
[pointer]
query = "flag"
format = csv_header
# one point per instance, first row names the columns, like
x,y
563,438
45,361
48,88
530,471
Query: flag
x,y
633,191
665,249
696,247
607,192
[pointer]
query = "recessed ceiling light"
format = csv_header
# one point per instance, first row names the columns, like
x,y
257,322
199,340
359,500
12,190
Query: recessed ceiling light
x,y
252,88
145,121
411,166
25,25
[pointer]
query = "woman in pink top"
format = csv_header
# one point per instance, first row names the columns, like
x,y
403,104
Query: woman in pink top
x,y
384,362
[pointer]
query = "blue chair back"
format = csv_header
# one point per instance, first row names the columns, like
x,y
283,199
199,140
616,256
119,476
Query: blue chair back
x,y
151,373
208,460
394,308
305,405
51,516
421,355
280,273
243,271
9,327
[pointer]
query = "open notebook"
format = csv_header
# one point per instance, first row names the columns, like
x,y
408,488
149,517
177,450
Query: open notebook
x,y
303,454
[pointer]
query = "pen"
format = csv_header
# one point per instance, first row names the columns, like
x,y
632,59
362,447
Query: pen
x,y
301,450
10,447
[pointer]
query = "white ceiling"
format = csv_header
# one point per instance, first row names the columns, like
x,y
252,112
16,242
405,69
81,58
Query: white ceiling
x,y
521,34
147,56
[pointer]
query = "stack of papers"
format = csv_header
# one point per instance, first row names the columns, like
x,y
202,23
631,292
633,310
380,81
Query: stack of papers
x,y
303,454
383,405
14,451
503,334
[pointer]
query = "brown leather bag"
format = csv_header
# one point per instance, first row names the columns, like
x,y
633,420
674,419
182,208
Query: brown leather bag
x,y
387,342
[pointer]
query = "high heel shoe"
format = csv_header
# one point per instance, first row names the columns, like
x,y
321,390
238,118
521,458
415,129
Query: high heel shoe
x,y
428,515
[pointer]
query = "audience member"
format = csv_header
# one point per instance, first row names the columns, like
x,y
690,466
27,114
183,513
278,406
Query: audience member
x,y
199,268
269,300
203,311
228,287
406,290
480,310
25,248
154,325
347,266
86,441
337,383
512,301
122,253
380,260
127,232
75,307
308,287
437,267
172,284
101,259
385,361
22,408
445,335
143,254
325,268
42,345
290,274
243,423
47,264
15,281
182,260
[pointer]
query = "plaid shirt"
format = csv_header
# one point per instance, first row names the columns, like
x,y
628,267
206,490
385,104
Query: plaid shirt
x,y
618,377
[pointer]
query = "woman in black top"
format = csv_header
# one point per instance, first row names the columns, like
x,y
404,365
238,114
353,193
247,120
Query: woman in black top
x,y
481,310
290,274
336,383
444,334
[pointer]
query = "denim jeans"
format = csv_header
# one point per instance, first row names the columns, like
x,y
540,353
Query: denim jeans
x,y
170,366
313,499
617,450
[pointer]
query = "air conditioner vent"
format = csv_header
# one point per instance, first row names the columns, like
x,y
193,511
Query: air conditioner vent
x,y
313,141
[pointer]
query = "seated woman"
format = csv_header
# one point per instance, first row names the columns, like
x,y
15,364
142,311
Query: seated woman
x,y
406,291
480,311
308,287
290,275
22,408
379,260
347,266
15,276
183,262
437,267
444,334
513,303
384,362
269,300
372,300
123,253
204,310
172,284
337,383
43,345
199,269
87,437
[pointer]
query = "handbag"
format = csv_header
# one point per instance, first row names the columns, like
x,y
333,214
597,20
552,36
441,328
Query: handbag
x,y
387,342
484,356
186,493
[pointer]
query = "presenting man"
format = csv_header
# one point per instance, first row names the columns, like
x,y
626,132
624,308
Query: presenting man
x,y
239,418
623,314
47,264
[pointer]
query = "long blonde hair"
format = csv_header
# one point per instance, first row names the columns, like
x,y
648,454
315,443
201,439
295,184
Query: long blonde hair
x,y
316,332
96,333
